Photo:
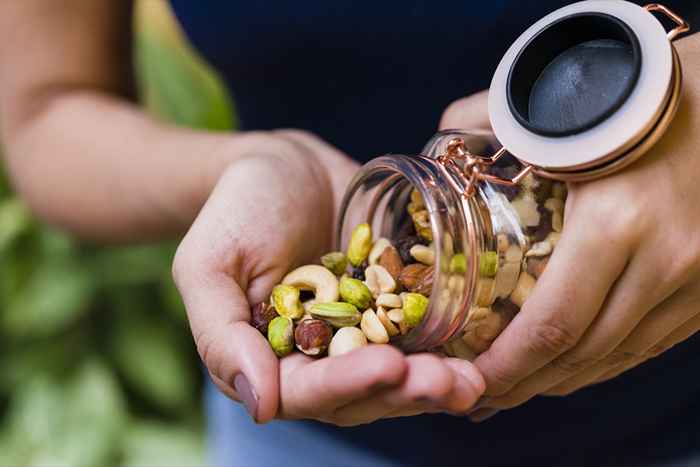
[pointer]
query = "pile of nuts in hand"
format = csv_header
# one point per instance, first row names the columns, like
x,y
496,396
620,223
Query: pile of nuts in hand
x,y
374,291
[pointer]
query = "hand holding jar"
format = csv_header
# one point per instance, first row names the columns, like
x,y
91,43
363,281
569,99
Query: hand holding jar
x,y
622,285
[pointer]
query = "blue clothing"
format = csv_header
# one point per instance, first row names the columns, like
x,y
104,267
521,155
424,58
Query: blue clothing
x,y
371,78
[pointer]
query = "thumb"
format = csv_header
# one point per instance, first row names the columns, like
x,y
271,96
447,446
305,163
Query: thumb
x,y
237,355
470,112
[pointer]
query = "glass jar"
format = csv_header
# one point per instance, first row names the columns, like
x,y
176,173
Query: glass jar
x,y
489,246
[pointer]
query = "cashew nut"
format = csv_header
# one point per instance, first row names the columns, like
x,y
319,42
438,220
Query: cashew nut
x,y
317,279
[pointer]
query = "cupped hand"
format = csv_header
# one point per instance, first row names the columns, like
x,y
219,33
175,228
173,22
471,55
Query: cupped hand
x,y
623,284
272,210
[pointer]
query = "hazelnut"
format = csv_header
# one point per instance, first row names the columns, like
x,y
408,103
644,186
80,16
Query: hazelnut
x,y
261,315
313,336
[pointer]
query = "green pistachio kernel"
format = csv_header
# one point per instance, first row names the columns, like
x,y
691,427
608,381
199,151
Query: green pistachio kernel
x,y
355,292
338,314
488,264
336,262
360,244
280,334
458,264
286,301
414,307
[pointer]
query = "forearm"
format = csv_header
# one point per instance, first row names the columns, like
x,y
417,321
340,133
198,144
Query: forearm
x,y
96,165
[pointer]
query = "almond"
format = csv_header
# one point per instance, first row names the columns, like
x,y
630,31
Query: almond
x,y
391,261
411,276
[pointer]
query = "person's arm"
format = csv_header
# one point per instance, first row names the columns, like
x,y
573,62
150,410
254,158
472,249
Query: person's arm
x,y
623,284
78,150
89,161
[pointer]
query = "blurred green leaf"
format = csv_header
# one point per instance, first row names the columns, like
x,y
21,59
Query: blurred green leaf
x,y
75,422
58,292
131,265
158,445
14,220
153,357
178,87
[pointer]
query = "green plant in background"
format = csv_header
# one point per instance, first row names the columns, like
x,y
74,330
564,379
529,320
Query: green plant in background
x,y
98,367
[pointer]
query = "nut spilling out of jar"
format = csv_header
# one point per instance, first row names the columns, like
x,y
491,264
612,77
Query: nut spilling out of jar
x,y
376,290
379,289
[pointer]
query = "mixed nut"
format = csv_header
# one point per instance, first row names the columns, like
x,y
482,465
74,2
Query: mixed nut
x,y
379,289
371,293
507,275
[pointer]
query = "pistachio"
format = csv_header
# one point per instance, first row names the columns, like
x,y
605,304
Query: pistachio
x,y
412,275
423,254
458,264
286,301
313,336
316,278
373,328
377,249
336,262
346,340
523,289
414,308
421,221
378,280
488,263
355,292
391,261
360,244
261,315
390,327
338,314
389,300
280,334
539,249
395,315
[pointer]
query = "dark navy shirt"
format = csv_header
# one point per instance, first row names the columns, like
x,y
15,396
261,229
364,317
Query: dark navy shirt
x,y
373,77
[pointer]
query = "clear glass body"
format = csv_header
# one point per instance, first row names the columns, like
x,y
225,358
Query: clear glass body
x,y
488,249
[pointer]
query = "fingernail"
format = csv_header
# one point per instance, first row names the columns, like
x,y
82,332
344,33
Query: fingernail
x,y
481,403
247,395
483,415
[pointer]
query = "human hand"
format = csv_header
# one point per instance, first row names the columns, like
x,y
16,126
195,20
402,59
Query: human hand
x,y
622,284
270,212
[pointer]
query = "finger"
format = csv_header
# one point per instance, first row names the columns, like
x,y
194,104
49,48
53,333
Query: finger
x,y
316,389
432,384
675,315
234,352
684,332
629,301
468,113
564,303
